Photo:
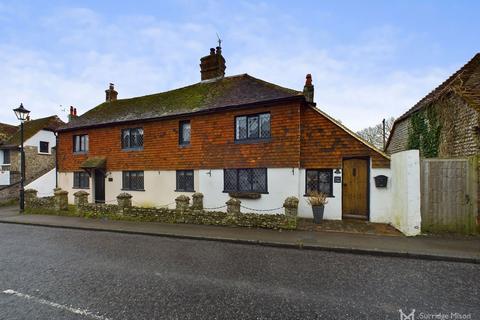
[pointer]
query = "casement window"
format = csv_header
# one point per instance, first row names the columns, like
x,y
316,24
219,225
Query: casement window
x,y
319,180
184,132
132,138
245,180
43,148
252,127
81,180
132,180
80,143
6,156
185,180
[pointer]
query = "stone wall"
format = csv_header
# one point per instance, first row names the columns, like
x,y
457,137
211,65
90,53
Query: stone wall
x,y
184,213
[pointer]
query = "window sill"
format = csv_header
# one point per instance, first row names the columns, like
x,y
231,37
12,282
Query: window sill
x,y
132,149
78,153
328,196
178,190
132,189
184,145
45,153
255,192
248,141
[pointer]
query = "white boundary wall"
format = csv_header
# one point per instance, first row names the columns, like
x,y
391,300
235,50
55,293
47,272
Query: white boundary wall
x,y
405,212
44,184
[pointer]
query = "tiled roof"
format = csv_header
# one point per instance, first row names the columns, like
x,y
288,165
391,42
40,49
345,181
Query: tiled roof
x,y
31,127
229,91
466,79
6,130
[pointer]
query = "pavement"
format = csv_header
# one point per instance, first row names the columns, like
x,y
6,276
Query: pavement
x,y
448,248
58,273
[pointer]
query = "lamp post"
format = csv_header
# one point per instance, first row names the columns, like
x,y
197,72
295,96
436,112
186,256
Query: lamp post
x,y
22,115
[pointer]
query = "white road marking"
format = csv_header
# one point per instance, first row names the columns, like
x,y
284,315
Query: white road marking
x,y
83,312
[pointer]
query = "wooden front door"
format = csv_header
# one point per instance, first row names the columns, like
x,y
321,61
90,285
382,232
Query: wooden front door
x,y
99,186
355,188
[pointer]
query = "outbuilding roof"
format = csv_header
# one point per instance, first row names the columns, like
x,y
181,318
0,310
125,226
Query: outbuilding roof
x,y
206,95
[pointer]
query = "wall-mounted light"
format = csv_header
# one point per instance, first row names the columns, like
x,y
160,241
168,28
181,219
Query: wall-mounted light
x,y
209,172
338,171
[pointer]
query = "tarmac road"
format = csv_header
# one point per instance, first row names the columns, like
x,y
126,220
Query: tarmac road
x,y
51,273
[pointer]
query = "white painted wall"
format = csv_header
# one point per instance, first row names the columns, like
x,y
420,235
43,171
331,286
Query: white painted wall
x,y
42,135
282,183
159,188
405,213
65,181
44,184
380,198
333,209
4,178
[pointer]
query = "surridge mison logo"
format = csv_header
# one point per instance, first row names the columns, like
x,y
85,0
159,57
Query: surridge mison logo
x,y
404,316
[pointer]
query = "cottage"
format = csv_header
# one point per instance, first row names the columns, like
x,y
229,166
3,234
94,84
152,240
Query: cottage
x,y
39,146
226,136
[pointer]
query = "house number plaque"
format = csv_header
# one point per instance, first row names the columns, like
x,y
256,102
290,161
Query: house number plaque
x,y
337,179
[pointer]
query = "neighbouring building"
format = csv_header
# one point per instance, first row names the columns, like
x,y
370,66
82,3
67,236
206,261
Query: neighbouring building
x,y
446,122
226,136
39,146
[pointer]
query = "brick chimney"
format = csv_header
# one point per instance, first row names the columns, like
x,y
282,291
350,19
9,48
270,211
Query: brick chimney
x,y
308,89
73,113
213,65
110,93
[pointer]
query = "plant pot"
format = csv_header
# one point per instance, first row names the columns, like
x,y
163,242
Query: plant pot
x,y
318,213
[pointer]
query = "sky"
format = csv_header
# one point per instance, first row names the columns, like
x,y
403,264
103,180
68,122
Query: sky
x,y
369,59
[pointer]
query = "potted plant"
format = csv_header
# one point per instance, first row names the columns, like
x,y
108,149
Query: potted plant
x,y
317,200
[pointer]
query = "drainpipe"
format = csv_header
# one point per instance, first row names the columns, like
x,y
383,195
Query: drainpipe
x,y
56,159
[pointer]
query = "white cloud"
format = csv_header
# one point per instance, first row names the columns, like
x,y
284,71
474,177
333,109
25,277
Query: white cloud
x,y
356,82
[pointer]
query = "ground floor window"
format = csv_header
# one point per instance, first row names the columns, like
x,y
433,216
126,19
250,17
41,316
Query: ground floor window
x,y
81,180
185,180
245,180
132,180
319,180
6,156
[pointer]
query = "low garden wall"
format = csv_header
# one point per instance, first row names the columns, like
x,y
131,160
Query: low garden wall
x,y
185,212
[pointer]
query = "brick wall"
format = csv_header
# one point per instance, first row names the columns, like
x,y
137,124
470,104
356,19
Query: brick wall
x,y
212,143
324,144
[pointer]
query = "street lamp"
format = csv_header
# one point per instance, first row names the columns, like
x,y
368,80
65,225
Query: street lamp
x,y
22,115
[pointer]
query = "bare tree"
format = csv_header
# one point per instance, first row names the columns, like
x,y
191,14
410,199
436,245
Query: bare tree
x,y
374,135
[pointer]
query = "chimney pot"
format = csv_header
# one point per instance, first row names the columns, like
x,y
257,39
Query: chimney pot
x,y
71,109
213,65
75,112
